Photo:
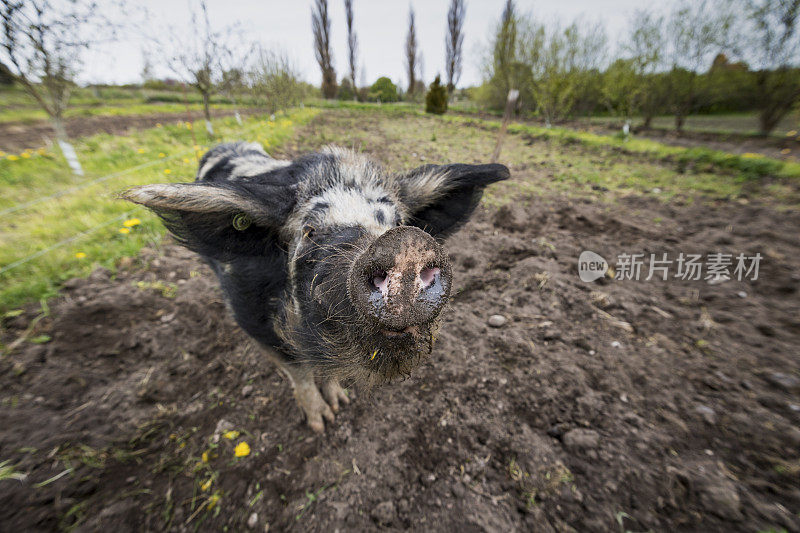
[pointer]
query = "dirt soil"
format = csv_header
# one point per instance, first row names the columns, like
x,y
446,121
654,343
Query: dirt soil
x,y
17,136
605,406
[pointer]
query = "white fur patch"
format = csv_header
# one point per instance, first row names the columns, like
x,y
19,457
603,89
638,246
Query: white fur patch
x,y
347,207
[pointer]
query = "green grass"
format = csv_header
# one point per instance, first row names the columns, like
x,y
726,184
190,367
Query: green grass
x,y
160,154
745,165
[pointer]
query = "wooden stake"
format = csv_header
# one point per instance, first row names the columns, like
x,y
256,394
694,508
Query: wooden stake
x,y
511,102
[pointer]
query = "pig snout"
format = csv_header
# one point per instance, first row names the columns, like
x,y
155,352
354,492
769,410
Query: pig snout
x,y
401,281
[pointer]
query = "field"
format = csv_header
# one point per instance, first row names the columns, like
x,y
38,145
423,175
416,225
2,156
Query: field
x,y
605,406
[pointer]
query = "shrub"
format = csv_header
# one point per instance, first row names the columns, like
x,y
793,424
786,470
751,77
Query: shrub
x,y
384,89
436,99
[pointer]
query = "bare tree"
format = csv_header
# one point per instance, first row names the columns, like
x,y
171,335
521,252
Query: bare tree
x,y
274,81
412,56
352,43
321,25
197,60
42,42
454,42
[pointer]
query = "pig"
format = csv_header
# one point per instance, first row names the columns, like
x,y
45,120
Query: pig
x,y
334,266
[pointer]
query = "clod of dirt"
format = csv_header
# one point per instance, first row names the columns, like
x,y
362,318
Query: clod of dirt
x,y
581,439
721,498
707,413
247,390
384,513
787,382
497,321
511,218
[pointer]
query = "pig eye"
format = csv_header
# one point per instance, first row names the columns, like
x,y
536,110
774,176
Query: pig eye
x,y
241,222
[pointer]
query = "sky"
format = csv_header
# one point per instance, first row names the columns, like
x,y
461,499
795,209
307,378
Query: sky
x,y
381,27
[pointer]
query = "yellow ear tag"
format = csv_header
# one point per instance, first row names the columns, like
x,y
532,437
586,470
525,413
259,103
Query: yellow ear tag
x,y
241,222
374,354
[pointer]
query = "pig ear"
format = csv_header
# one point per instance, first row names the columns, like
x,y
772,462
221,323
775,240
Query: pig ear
x,y
440,198
211,220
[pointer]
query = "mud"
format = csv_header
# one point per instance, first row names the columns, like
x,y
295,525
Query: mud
x,y
600,406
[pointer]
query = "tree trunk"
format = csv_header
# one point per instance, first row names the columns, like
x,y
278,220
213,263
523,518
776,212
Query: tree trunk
x,y
207,113
679,120
66,147
648,120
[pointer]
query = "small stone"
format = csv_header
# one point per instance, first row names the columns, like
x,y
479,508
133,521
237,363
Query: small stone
x,y
656,190
616,344
252,522
741,294
722,499
497,321
787,382
580,438
458,490
384,513
247,390
707,413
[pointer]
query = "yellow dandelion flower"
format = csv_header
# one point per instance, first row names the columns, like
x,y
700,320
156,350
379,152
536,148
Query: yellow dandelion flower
x,y
204,457
162,154
786,151
41,151
182,445
751,155
124,231
213,500
196,147
131,222
140,150
242,450
2,153
791,133
80,255
167,171
158,125
205,486
186,160
230,435
12,157
188,125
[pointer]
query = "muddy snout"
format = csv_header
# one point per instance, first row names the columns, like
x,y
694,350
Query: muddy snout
x,y
401,281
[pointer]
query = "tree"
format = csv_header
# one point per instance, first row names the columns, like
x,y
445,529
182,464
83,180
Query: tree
x,y
454,43
697,28
383,90
321,26
771,36
274,82
352,43
436,99
197,57
645,47
42,42
412,56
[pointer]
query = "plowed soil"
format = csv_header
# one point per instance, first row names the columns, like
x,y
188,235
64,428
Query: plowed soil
x,y
604,406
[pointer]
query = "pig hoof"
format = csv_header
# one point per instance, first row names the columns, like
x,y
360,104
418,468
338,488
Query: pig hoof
x,y
334,393
314,407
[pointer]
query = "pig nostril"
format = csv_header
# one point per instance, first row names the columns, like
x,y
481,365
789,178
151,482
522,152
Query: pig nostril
x,y
428,276
378,279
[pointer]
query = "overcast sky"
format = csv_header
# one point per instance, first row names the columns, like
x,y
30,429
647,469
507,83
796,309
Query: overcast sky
x,y
381,26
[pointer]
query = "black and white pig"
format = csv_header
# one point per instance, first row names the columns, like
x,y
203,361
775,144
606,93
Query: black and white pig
x,y
332,264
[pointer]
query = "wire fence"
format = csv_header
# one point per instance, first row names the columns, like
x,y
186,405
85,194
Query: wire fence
x,y
25,205
83,185
61,243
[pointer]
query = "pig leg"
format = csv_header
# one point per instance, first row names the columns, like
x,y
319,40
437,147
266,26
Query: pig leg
x,y
334,393
305,391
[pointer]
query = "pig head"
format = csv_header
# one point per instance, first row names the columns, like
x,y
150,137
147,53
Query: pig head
x,y
331,263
